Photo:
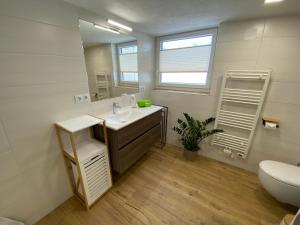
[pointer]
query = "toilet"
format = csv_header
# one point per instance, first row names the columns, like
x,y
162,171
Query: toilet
x,y
281,180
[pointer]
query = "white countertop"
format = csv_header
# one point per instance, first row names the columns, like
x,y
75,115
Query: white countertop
x,y
79,123
126,116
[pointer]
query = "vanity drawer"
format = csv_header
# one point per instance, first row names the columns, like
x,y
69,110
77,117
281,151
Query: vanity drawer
x,y
136,149
131,132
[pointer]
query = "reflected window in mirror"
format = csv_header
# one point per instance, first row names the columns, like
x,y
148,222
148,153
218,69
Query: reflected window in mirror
x,y
128,69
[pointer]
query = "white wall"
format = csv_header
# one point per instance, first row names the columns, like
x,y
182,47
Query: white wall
x,y
255,44
41,69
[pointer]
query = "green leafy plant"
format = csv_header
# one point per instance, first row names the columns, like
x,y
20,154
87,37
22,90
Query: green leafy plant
x,y
193,131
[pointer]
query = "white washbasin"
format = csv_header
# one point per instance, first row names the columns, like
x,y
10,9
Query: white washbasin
x,y
123,116
126,116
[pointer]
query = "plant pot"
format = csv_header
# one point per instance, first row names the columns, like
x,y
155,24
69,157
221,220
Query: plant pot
x,y
190,155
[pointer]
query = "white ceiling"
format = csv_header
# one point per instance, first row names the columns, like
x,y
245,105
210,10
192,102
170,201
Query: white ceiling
x,y
92,36
159,17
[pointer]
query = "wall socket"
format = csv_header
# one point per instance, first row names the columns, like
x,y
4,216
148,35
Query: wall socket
x,y
82,98
141,89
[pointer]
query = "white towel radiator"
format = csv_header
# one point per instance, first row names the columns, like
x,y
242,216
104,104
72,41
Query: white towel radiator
x,y
241,99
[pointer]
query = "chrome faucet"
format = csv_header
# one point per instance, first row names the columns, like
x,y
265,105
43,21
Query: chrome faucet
x,y
115,107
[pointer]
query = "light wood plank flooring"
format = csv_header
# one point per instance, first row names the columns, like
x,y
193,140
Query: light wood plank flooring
x,y
163,188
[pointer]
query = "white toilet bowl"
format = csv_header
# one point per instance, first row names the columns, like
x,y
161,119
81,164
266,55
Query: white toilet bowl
x,y
281,180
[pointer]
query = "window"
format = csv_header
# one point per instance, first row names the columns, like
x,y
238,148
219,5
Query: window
x,y
185,60
128,71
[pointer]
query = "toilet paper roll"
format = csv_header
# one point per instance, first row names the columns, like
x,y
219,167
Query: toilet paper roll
x,y
270,125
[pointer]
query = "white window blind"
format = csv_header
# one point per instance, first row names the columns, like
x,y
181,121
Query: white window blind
x,y
185,60
194,59
128,67
128,62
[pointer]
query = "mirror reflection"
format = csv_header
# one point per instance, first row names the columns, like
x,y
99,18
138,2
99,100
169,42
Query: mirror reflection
x,y
111,62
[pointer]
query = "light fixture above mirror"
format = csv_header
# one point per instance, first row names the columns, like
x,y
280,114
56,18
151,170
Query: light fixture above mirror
x,y
119,25
106,29
273,1
116,29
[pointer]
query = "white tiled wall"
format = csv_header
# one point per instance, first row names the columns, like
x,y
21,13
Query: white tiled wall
x,y
41,69
254,44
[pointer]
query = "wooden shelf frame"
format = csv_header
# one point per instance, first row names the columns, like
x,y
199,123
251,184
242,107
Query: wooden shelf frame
x,y
75,160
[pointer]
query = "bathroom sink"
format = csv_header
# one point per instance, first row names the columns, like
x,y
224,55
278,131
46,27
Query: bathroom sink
x,y
126,116
123,116
117,118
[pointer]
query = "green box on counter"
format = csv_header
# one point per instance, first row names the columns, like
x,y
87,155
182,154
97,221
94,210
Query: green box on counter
x,y
144,103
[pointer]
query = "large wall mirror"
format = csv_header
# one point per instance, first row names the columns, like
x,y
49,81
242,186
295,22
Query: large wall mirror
x,y
111,62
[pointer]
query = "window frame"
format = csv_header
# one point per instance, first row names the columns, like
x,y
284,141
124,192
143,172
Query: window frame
x,y
120,81
186,87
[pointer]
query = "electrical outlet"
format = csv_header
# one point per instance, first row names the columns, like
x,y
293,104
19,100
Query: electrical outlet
x,y
82,98
86,97
78,98
141,89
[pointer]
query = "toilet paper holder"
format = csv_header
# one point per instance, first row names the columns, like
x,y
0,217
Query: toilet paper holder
x,y
269,119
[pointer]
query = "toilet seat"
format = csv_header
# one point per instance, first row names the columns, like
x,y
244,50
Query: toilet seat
x,y
282,172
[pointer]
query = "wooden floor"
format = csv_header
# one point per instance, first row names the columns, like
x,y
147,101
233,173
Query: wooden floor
x,y
163,188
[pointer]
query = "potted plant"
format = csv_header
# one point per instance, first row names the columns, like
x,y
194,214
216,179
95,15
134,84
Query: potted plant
x,y
192,132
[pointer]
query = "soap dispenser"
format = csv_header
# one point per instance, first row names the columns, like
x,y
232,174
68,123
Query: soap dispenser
x,y
133,101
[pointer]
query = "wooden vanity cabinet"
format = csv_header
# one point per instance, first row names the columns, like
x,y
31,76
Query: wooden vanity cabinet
x,y
130,143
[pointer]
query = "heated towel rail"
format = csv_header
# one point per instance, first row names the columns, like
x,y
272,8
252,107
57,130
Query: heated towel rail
x,y
242,95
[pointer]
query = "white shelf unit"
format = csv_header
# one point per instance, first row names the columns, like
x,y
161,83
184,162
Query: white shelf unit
x,y
87,161
102,85
238,125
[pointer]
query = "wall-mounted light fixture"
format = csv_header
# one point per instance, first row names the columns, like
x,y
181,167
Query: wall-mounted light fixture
x,y
106,29
272,1
114,23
